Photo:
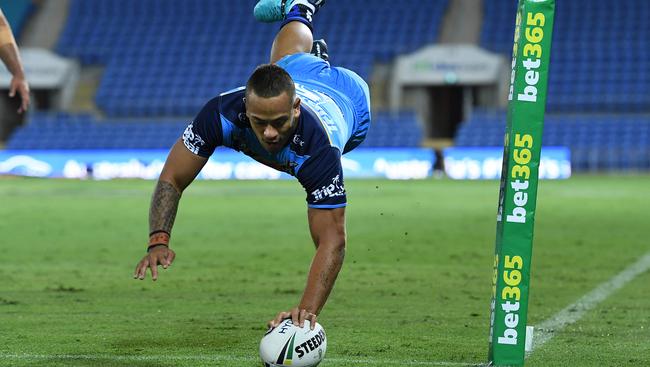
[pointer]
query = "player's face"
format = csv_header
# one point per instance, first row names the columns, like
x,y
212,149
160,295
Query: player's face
x,y
273,119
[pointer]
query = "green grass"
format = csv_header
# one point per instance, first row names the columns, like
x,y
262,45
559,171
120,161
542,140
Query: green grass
x,y
415,285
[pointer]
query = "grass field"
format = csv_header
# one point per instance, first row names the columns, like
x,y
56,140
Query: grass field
x,y
415,288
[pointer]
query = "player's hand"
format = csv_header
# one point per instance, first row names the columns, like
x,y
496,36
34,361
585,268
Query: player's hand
x,y
297,316
159,255
19,84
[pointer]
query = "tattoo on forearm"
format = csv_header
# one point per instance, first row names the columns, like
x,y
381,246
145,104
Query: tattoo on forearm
x,y
164,204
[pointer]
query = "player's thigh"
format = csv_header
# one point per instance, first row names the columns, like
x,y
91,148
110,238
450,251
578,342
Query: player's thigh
x,y
356,89
302,65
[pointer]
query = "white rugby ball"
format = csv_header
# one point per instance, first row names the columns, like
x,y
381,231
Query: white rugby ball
x,y
290,345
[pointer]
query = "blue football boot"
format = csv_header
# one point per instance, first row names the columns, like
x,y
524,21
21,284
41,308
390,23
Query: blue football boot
x,y
269,11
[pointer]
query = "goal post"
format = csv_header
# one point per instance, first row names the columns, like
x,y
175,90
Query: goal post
x,y
519,178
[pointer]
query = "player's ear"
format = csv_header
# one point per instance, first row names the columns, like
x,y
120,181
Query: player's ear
x,y
296,106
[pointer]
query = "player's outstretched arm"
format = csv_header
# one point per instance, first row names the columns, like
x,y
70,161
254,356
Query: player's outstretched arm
x,y
11,58
327,228
179,171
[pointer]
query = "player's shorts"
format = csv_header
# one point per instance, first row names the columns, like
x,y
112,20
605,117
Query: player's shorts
x,y
345,87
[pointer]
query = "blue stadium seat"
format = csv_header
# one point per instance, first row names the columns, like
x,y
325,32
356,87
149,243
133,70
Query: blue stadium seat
x,y
597,142
394,130
84,131
166,57
599,59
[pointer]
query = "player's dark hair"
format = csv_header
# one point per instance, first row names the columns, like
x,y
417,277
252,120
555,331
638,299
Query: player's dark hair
x,y
270,80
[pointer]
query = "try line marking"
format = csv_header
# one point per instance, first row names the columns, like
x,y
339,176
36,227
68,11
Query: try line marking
x,y
574,312
220,358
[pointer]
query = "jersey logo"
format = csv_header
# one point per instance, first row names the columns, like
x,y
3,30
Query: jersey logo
x,y
192,141
297,141
332,190
242,120
326,110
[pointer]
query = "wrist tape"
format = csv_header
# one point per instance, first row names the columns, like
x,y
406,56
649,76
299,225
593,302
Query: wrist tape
x,y
158,238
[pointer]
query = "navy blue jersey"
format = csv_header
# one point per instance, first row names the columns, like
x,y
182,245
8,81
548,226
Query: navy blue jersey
x,y
313,154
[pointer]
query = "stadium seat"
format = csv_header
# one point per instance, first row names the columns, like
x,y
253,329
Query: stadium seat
x,y
594,67
597,142
83,131
166,57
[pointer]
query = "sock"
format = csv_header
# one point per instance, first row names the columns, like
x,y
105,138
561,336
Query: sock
x,y
301,13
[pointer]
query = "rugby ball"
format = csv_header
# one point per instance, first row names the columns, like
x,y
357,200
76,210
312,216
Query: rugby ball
x,y
291,345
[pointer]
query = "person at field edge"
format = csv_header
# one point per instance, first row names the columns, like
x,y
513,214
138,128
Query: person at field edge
x,y
297,115
11,58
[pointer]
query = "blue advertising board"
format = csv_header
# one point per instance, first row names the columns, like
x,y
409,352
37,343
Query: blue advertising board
x,y
485,163
391,163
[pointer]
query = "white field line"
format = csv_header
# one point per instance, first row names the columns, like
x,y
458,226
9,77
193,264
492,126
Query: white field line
x,y
573,312
219,358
